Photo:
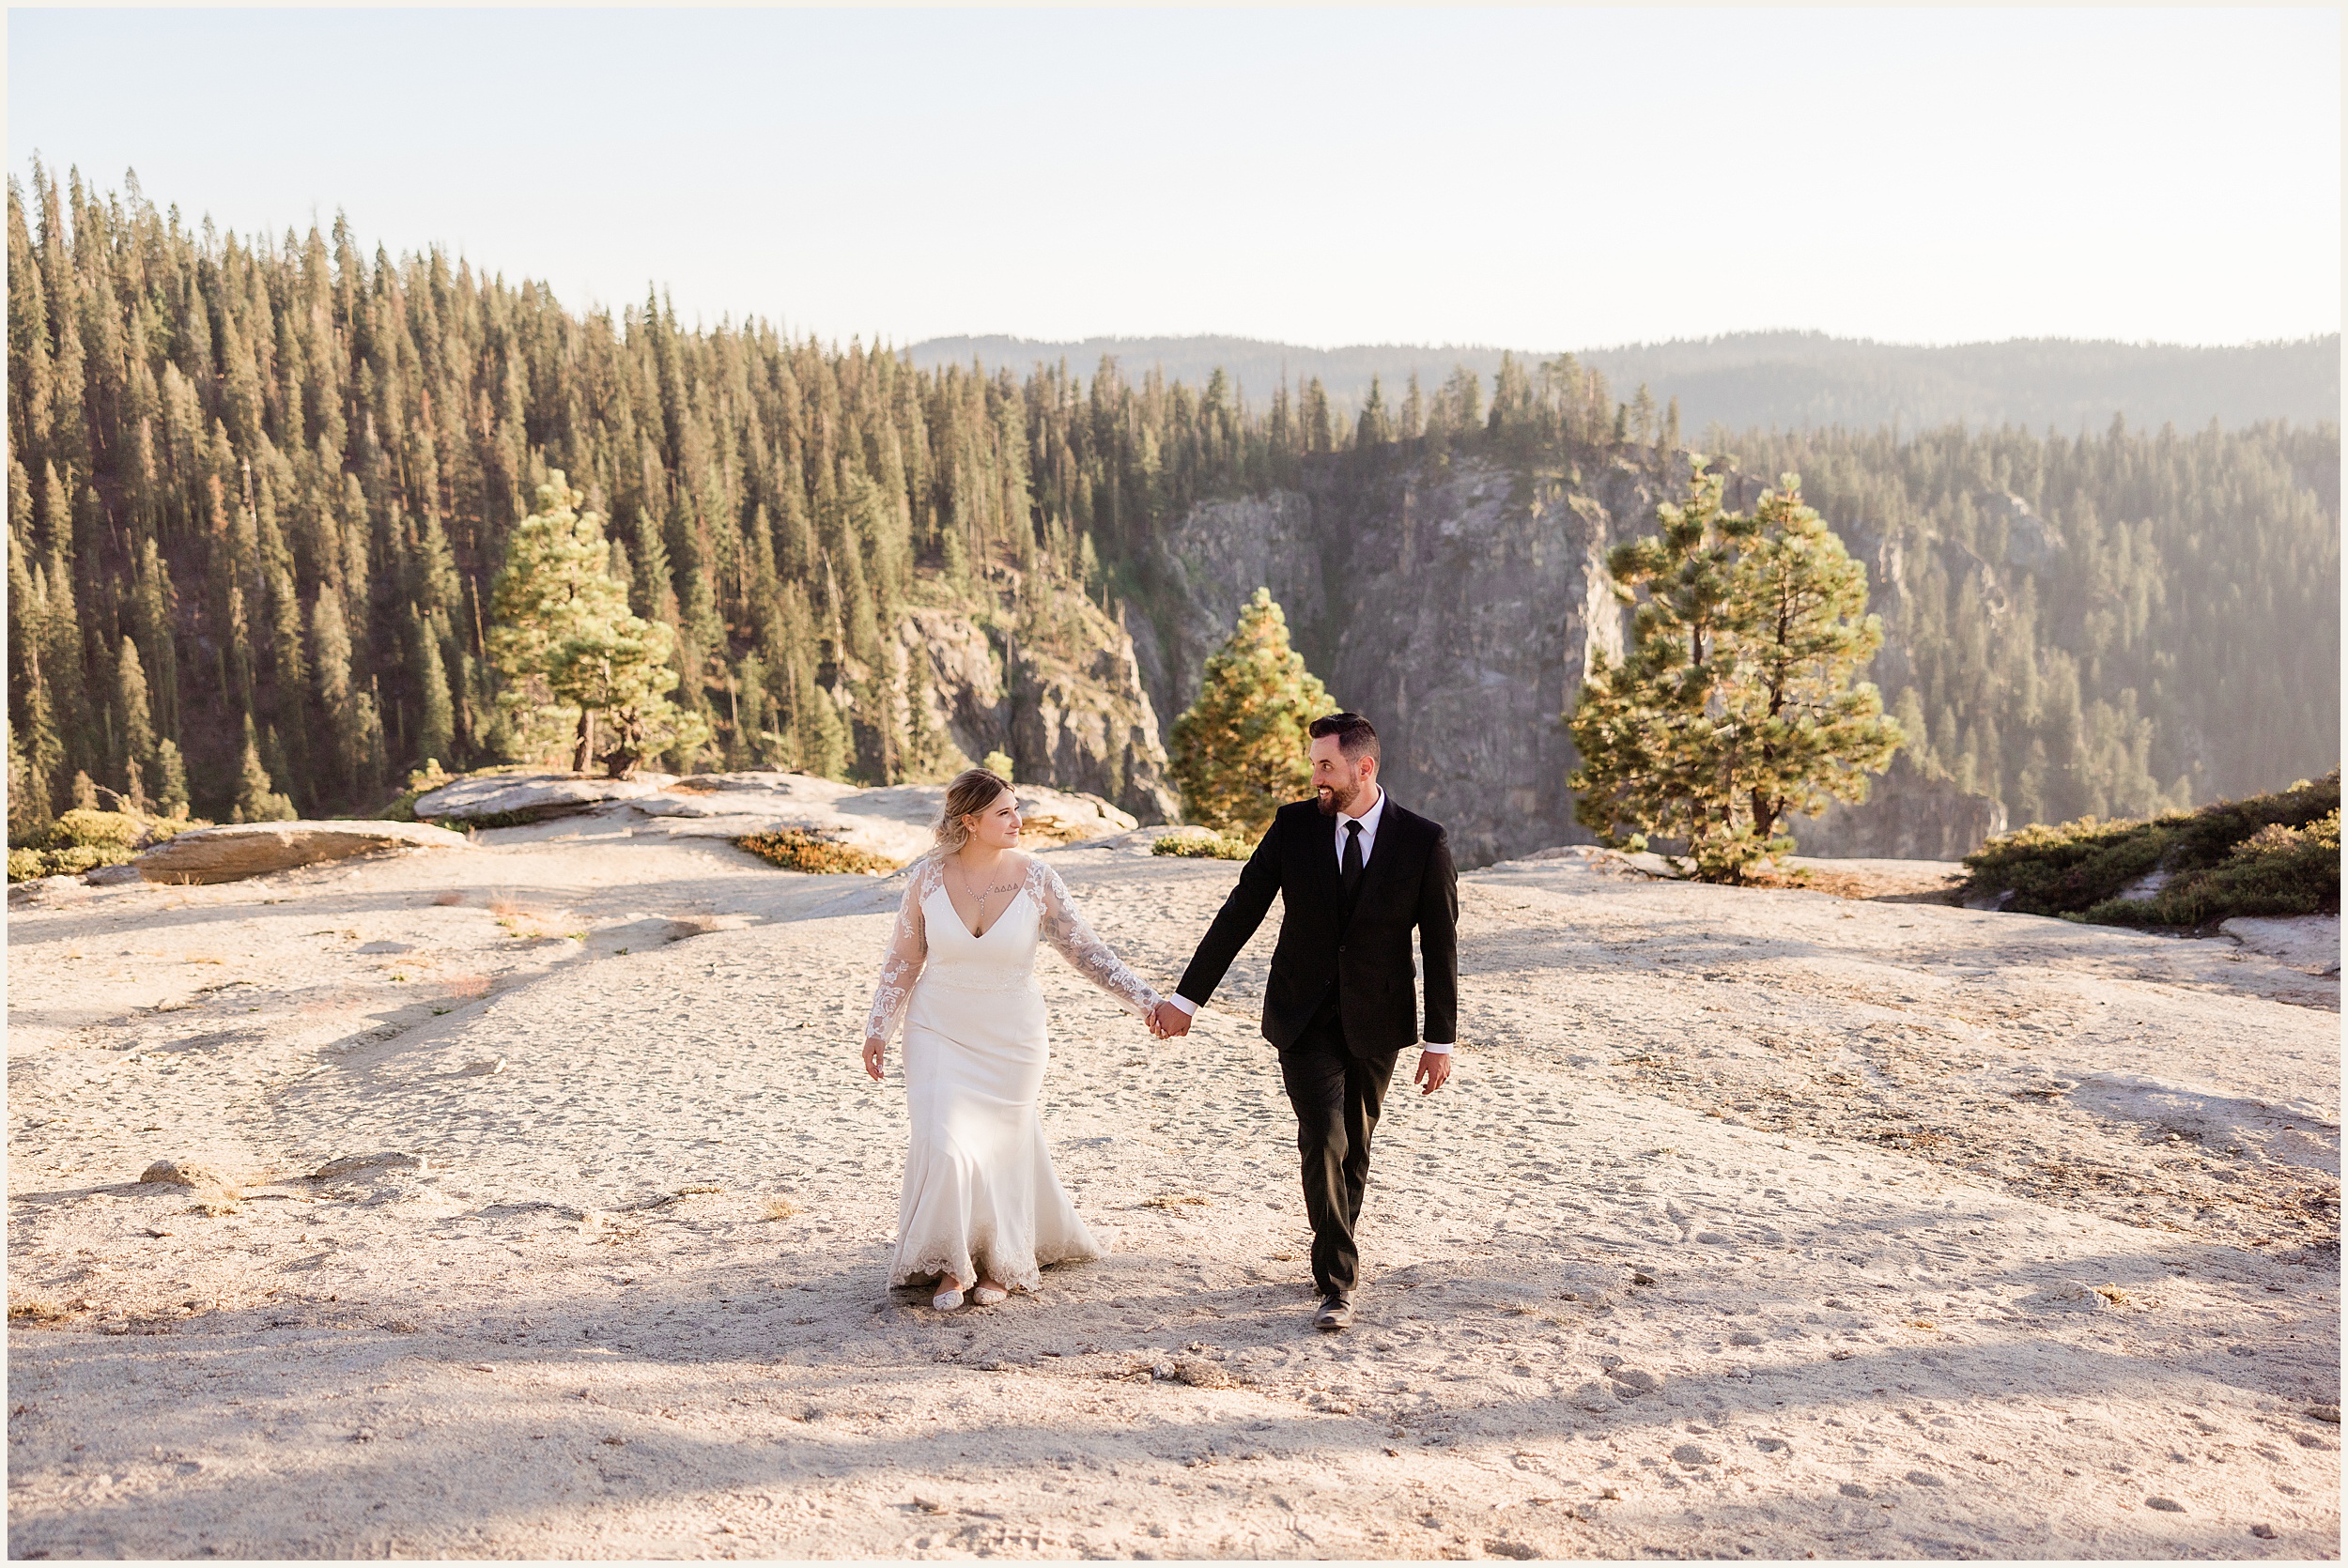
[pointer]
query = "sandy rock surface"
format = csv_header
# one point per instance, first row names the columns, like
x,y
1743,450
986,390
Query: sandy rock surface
x,y
2309,942
549,1215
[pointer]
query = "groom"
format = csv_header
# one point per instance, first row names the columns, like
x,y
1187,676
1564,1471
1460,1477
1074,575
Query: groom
x,y
1354,872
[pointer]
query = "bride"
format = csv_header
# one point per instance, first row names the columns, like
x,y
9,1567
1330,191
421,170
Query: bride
x,y
981,1209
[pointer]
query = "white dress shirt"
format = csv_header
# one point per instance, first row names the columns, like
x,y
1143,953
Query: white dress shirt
x,y
1369,821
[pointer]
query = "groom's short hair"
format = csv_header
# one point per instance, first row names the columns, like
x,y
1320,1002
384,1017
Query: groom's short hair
x,y
1356,736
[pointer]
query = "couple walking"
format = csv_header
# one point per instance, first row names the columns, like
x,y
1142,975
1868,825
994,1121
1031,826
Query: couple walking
x,y
982,1210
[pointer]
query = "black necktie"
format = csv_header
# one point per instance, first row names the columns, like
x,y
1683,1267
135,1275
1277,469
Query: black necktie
x,y
1350,869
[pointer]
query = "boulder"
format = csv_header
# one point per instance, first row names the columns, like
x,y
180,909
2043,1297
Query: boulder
x,y
256,848
510,799
43,887
181,1173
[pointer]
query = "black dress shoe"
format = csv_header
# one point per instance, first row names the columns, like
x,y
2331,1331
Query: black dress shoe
x,y
1335,1312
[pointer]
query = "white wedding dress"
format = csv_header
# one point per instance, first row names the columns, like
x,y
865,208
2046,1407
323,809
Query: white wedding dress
x,y
981,1198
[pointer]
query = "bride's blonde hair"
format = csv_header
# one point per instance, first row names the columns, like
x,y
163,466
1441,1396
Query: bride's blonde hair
x,y
972,792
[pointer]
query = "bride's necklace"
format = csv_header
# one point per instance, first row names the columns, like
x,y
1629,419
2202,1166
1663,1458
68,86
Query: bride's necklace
x,y
983,895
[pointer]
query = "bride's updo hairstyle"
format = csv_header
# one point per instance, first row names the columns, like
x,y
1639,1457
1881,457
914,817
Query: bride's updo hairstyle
x,y
972,792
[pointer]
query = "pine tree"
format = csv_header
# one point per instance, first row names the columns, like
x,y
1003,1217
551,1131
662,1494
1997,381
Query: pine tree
x,y
28,797
1806,729
618,669
138,728
436,718
1648,729
172,771
256,800
329,664
1239,753
556,589
568,644
1374,428
1734,707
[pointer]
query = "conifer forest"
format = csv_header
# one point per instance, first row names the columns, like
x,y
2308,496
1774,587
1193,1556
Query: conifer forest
x,y
260,490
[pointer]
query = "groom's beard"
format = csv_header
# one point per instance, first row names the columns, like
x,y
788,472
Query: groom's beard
x,y
1334,803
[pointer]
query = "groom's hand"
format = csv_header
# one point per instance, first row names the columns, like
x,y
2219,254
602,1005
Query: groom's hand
x,y
1168,1021
1435,1070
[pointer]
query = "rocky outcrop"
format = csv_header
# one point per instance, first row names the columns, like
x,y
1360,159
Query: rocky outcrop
x,y
508,799
1905,816
1218,555
1072,709
1457,600
231,854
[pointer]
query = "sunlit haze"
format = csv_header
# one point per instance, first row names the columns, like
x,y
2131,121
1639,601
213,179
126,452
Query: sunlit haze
x,y
1551,178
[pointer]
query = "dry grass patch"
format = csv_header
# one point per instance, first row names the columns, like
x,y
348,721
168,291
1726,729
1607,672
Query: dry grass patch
x,y
797,849
780,1208
535,925
1175,1200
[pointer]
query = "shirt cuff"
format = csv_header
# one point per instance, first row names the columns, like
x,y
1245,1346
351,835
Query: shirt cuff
x,y
1188,1006
1432,1047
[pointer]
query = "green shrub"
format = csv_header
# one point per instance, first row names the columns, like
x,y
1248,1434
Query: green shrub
x,y
84,828
86,839
796,849
2277,870
72,861
2265,854
1198,843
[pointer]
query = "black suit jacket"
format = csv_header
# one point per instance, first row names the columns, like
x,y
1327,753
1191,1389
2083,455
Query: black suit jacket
x,y
1409,880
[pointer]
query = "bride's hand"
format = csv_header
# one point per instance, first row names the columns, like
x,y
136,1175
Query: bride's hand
x,y
874,1050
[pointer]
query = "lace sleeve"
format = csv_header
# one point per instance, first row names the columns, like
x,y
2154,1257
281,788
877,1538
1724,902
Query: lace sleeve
x,y
907,947
1074,941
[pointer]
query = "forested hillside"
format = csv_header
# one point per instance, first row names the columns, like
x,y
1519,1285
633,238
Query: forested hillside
x,y
2105,625
270,481
1792,380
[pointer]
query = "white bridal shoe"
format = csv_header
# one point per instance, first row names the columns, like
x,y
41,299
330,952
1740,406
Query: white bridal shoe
x,y
990,1294
947,1299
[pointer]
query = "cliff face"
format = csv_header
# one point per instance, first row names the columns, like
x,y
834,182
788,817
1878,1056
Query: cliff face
x,y
1079,720
1456,601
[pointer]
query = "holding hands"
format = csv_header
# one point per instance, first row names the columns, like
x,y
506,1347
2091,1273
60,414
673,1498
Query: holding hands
x,y
1166,1021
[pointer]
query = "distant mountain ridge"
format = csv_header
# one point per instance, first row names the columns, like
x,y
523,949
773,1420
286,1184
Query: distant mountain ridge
x,y
1787,379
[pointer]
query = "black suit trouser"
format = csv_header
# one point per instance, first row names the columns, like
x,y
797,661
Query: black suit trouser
x,y
1336,1096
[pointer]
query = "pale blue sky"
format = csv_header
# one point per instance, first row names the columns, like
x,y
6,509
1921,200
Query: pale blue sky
x,y
1544,179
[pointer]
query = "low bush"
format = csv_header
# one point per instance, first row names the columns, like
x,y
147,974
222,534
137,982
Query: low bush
x,y
86,827
796,849
2267,854
2278,870
84,839
1198,843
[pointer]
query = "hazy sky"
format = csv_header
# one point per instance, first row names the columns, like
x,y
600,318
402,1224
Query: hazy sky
x,y
1544,179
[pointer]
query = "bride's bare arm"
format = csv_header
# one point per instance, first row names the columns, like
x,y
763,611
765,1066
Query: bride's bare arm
x,y
1074,941
908,946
